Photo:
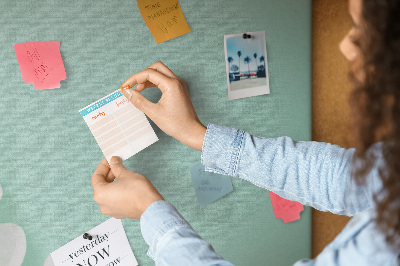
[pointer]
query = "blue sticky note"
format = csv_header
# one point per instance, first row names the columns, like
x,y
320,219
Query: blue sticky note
x,y
209,186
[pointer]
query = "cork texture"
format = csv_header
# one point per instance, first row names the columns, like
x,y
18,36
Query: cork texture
x,y
330,99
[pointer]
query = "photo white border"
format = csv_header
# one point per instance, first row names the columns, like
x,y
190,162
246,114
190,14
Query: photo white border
x,y
247,92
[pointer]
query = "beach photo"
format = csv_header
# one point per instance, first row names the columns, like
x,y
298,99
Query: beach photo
x,y
246,64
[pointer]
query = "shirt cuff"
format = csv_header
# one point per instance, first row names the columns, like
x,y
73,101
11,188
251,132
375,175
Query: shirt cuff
x,y
159,218
222,147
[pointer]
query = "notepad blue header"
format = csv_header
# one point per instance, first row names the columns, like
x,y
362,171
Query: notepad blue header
x,y
100,103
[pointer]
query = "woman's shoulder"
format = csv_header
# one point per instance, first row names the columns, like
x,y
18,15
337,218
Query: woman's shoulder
x,y
362,241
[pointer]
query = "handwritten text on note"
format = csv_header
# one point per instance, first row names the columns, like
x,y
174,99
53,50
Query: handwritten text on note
x,y
41,63
209,186
164,19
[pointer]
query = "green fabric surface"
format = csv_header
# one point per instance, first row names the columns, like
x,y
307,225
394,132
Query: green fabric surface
x,y
48,154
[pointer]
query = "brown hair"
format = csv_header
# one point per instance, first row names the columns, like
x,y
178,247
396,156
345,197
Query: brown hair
x,y
376,106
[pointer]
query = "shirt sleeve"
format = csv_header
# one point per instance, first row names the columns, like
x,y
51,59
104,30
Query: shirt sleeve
x,y
171,239
312,173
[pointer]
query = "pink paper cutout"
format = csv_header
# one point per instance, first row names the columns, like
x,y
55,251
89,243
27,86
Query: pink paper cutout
x,y
41,63
284,209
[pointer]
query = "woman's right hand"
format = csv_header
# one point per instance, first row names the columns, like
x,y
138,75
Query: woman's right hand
x,y
174,112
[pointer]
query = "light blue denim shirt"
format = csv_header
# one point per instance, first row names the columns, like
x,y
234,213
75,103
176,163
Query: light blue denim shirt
x,y
312,173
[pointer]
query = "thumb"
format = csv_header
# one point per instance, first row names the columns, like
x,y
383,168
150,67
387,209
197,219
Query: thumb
x,y
138,100
99,176
117,167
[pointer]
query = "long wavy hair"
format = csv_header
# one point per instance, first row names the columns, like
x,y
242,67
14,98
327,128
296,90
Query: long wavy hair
x,y
376,108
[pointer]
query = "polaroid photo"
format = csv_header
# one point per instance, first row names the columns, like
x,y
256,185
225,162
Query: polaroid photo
x,y
246,64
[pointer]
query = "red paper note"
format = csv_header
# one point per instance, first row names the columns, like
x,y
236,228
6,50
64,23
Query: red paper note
x,y
284,209
41,63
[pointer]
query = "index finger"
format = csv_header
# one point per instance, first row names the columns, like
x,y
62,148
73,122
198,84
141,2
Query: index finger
x,y
160,67
153,76
100,174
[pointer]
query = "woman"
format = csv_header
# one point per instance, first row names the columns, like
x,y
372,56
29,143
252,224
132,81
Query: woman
x,y
363,183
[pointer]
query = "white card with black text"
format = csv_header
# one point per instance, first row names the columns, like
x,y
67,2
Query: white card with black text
x,y
108,246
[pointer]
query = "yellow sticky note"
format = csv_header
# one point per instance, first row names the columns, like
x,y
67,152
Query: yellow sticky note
x,y
164,19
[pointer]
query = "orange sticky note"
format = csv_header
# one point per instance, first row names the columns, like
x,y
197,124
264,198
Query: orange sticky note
x,y
41,63
164,19
284,209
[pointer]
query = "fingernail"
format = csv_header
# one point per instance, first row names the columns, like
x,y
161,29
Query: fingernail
x,y
128,93
124,88
115,160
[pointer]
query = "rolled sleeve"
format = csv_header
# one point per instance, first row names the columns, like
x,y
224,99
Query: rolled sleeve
x,y
221,149
316,174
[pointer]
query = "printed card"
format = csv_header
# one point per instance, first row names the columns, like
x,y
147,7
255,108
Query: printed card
x,y
118,126
108,246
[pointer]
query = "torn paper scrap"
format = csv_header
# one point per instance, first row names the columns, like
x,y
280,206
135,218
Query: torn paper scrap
x,y
49,261
164,19
108,246
284,209
12,244
118,126
41,63
209,186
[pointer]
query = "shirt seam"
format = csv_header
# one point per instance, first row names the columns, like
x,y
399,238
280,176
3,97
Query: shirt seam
x,y
163,231
236,151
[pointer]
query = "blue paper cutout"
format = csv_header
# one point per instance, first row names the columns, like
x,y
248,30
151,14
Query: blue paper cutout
x,y
209,186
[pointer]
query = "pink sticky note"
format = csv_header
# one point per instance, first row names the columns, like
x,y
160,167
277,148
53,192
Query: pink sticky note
x,y
41,63
284,209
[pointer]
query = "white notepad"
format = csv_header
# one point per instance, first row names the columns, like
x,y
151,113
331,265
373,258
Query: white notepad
x,y
118,126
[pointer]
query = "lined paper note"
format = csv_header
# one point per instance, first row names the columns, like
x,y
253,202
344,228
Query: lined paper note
x,y
41,63
164,19
118,126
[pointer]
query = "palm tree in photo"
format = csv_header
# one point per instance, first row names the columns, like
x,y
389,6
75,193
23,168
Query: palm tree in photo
x,y
234,68
247,60
230,59
239,54
262,59
255,58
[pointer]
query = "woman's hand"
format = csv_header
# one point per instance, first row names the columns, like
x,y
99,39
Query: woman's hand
x,y
128,196
174,112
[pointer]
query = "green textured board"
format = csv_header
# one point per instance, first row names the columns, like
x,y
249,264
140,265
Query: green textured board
x,y
48,154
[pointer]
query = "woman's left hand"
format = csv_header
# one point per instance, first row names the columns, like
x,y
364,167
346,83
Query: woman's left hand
x,y
126,197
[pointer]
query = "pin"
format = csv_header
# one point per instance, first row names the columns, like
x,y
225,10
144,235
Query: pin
x,y
246,36
87,236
